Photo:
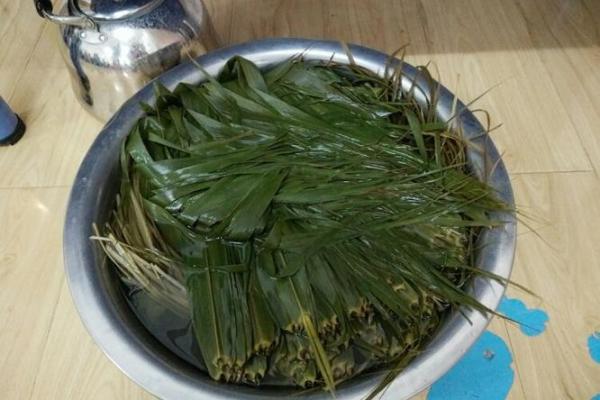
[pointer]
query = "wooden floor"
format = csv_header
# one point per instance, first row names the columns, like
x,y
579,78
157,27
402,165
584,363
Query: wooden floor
x,y
541,56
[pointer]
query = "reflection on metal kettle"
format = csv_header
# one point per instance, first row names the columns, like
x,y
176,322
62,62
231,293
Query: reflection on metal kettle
x,y
114,47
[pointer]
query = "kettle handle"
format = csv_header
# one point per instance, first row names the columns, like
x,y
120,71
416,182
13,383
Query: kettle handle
x,y
44,9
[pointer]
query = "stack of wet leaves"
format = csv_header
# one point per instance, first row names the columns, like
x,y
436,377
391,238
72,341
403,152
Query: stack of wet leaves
x,y
312,219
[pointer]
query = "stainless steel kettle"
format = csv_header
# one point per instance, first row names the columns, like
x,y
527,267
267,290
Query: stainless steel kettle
x,y
114,47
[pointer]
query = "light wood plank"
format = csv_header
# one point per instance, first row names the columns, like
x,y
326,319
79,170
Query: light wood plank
x,y
58,133
572,66
30,280
73,367
19,31
561,266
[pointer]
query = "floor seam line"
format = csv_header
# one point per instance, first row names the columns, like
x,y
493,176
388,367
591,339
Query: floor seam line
x,y
47,338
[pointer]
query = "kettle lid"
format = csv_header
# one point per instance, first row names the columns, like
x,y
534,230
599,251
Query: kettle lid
x,y
107,10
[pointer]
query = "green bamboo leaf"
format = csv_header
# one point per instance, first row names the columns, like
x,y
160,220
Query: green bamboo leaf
x,y
136,149
250,75
417,132
218,202
247,216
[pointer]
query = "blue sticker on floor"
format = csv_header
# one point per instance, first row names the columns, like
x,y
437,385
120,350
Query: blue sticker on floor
x,y
485,372
594,347
532,321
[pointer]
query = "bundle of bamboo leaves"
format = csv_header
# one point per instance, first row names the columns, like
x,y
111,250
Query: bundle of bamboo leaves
x,y
312,219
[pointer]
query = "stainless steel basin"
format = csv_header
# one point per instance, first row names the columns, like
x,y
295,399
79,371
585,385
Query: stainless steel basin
x,y
114,327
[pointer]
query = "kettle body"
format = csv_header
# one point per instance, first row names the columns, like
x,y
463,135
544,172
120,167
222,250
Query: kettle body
x,y
112,48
